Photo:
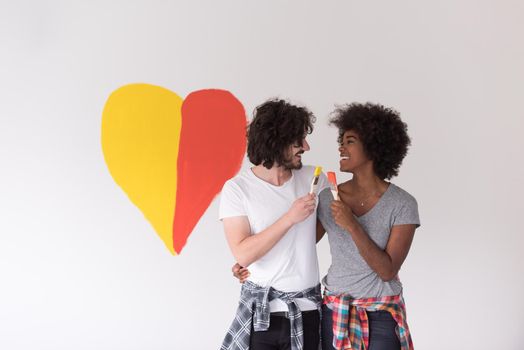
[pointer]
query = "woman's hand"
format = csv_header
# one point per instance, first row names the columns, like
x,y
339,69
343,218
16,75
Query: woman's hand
x,y
242,273
343,215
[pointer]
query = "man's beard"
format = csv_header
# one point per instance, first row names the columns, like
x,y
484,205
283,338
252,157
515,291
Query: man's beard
x,y
288,164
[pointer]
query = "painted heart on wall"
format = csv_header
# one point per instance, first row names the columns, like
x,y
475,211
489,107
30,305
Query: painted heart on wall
x,y
171,156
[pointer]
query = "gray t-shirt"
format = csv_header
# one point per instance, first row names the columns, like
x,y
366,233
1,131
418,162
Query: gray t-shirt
x,y
349,273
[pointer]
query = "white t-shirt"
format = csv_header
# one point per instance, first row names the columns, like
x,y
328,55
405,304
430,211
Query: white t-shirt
x,y
292,264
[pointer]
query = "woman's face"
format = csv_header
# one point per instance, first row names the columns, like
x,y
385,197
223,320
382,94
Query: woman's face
x,y
352,155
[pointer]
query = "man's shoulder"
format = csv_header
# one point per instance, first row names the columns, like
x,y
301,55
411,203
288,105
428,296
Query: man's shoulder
x,y
305,170
241,179
308,168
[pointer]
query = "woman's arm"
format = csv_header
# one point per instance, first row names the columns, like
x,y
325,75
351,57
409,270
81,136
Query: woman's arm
x,y
386,263
320,230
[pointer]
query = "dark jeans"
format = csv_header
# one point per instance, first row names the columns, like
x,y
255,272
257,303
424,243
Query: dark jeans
x,y
278,336
382,335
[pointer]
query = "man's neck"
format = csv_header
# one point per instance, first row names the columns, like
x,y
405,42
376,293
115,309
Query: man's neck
x,y
276,175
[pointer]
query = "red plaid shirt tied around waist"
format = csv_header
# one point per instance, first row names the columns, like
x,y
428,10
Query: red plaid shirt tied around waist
x,y
350,320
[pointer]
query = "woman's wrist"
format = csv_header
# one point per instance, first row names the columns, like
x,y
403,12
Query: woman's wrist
x,y
351,226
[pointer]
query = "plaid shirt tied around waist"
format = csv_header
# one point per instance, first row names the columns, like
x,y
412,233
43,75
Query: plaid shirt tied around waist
x,y
350,320
253,309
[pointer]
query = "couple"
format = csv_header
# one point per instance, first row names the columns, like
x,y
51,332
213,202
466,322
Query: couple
x,y
272,224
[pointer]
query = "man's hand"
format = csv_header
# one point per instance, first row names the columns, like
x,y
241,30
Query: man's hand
x,y
302,208
242,273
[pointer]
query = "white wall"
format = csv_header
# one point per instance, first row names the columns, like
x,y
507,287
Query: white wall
x,y
80,268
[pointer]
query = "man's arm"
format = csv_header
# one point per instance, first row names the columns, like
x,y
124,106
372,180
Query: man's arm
x,y
247,247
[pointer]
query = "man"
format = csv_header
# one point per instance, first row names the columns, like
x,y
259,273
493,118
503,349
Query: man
x,y
270,223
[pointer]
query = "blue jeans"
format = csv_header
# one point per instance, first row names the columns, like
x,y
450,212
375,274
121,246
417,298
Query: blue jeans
x,y
382,334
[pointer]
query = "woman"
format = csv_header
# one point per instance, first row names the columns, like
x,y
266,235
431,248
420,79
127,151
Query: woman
x,y
370,229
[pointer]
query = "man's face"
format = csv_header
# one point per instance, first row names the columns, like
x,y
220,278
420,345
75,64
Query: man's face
x,y
294,155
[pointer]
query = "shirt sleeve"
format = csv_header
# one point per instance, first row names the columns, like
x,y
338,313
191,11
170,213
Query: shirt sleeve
x,y
408,213
324,209
231,201
322,182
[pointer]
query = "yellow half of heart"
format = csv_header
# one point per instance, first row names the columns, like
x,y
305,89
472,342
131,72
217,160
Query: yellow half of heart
x,y
141,126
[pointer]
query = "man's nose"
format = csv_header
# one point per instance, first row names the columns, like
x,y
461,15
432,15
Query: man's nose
x,y
305,145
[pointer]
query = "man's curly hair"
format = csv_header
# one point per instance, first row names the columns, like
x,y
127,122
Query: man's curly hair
x,y
276,125
382,133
